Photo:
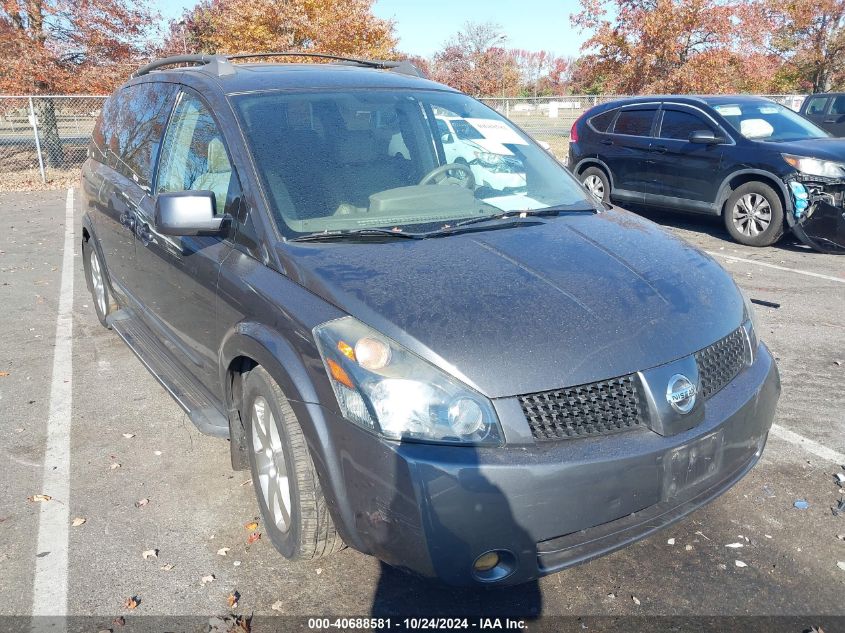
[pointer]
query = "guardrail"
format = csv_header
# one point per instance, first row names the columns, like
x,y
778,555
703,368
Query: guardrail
x,y
49,134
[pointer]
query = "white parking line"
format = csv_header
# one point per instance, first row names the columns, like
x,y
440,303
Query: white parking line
x,y
49,593
798,271
819,450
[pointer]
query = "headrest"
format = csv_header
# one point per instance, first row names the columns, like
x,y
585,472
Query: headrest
x,y
356,147
755,128
218,162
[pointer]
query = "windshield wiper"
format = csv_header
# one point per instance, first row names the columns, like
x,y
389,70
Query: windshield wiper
x,y
355,233
514,216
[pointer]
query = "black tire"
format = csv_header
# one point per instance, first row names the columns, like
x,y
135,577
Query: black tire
x,y
105,305
743,226
310,532
596,182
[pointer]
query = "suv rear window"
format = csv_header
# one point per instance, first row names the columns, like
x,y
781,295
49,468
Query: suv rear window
x,y
602,121
838,106
634,122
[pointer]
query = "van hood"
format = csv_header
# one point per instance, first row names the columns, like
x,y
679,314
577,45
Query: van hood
x,y
564,301
823,148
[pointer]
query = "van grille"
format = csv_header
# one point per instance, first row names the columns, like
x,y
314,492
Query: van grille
x,y
609,406
720,363
597,408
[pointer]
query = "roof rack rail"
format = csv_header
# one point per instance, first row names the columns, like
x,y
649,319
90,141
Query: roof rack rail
x,y
218,64
221,65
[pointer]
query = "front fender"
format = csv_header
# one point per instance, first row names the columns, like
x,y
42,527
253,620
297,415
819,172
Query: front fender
x,y
299,372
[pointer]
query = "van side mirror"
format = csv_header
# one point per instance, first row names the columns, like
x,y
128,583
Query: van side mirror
x,y
186,213
446,138
705,137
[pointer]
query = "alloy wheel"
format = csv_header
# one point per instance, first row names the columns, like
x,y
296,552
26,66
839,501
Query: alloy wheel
x,y
752,214
97,281
271,464
595,186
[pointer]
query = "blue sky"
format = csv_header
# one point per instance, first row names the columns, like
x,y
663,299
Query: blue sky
x,y
423,25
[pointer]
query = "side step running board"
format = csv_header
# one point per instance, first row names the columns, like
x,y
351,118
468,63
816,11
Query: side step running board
x,y
185,390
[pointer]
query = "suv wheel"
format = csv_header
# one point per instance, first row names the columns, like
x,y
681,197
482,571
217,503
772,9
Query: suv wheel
x,y
95,274
290,498
754,215
595,180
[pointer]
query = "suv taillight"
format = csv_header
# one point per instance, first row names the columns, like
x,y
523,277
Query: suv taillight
x,y
573,133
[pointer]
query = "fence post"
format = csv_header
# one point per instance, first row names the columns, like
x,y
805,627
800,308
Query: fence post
x,y
34,122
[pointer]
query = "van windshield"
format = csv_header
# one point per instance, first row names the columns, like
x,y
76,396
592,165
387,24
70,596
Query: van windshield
x,y
336,161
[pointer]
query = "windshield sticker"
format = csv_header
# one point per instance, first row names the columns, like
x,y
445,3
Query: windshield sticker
x,y
498,131
515,203
728,110
768,110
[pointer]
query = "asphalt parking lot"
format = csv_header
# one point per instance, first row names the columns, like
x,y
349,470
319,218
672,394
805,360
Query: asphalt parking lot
x,y
129,441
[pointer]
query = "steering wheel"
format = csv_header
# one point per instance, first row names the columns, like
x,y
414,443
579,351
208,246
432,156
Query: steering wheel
x,y
440,175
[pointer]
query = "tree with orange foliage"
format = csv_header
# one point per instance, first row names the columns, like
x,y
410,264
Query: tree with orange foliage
x,y
672,46
809,37
339,27
66,47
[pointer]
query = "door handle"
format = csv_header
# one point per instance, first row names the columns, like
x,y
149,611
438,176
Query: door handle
x,y
128,220
830,120
658,149
606,141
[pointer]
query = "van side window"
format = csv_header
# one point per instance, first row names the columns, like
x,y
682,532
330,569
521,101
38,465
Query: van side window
x,y
129,132
194,156
635,122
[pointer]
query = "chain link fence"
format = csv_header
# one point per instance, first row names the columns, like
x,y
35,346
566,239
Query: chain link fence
x,y
45,136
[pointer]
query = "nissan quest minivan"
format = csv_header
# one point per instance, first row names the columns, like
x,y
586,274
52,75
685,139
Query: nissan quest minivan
x,y
478,381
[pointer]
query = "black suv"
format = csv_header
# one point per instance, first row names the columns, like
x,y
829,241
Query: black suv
x,y
762,167
483,380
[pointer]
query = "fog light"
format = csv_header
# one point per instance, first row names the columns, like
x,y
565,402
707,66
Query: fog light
x,y
486,562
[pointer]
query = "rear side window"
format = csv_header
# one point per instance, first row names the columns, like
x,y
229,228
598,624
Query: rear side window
x,y
131,127
602,121
816,105
678,124
634,122
838,106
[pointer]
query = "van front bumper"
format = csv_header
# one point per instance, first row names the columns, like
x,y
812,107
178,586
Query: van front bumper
x,y
434,510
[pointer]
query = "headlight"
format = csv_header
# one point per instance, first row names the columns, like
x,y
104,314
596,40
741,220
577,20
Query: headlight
x,y
816,167
384,388
488,158
751,325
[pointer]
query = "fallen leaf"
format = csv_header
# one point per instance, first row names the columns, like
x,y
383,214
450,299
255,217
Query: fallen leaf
x,y
167,567
39,498
319,571
77,522
128,436
671,541
142,503
734,545
149,553
841,565
841,537
3,374
739,563
237,563
636,600
208,579
223,551
119,621
251,526
131,603
232,600
278,605
156,453
253,537
688,548
114,465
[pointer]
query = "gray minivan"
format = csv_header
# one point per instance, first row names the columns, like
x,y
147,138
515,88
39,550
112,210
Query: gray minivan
x,y
482,382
